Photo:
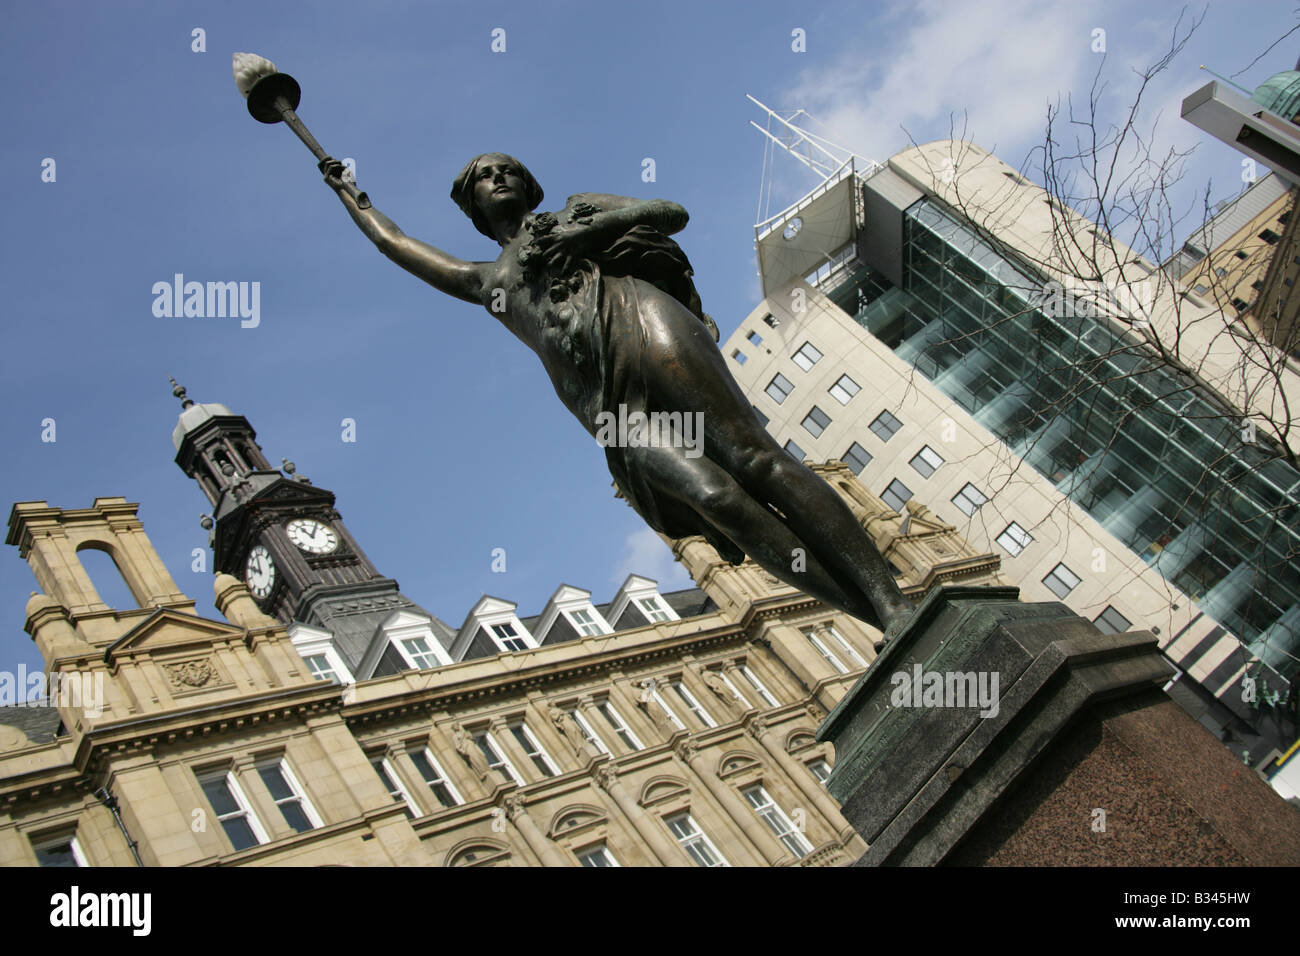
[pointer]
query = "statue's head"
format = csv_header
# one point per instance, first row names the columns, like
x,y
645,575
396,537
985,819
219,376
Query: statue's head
x,y
464,191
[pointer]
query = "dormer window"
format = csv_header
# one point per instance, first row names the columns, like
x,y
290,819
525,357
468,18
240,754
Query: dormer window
x,y
584,622
508,638
653,608
323,660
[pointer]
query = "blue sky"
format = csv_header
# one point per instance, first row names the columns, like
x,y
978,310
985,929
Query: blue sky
x,y
461,444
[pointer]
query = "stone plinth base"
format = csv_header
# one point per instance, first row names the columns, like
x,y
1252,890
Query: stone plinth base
x,y
993,732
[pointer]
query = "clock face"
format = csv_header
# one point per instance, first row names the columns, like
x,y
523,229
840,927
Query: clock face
x,y
260,573
314,537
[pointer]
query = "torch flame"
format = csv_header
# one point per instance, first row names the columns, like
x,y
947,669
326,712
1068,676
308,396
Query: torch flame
x,y
249,68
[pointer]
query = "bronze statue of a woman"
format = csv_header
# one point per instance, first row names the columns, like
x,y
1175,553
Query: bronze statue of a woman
x,y
605,299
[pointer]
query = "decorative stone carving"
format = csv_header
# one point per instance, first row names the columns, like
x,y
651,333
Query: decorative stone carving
x,y
190,674
686,750
756,726
724,693
569,729
469,750
606,776
513,805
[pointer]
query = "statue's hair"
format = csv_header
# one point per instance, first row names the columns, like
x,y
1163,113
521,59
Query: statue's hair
x,y
462,190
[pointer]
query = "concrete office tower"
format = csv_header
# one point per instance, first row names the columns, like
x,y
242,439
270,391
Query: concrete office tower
x,y
914,328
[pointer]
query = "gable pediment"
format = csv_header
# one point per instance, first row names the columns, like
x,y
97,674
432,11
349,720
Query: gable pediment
x,y
168,630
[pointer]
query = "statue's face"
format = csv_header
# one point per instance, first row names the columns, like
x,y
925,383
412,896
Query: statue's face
x,y
498,187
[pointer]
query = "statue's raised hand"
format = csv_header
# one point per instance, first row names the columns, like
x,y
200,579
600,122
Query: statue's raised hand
x,y
334,171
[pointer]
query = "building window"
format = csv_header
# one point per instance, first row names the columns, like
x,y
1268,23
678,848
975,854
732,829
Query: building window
x,y
771,320
1220,272
508,638
807,356
896,495
585,622
1241,305
762,419
1241,254
926,461
697,846
496,759
795,451
663,705
393,785
816,421
1200,289
288,796
759,689
588,733
693,705
820,769
754,339
1269,236
58,850
844,643
777,821
437,781
653,610
844,389
545,766
824,651
321,668
857,458
1061,581
419,651
1014,539
1257,284
232,809
885,426
1110,621
596,856
779,389
969,499
621,730
740,357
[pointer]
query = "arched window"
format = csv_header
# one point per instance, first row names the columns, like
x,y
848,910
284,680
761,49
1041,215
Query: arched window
x,y
107,577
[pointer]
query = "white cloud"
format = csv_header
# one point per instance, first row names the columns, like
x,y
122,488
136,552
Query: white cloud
x,y
645,554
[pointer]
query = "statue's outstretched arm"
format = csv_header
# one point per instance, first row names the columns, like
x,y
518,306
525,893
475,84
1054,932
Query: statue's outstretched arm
x,y
444,272
620,213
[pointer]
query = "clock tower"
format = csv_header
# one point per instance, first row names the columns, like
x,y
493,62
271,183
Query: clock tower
x,y
282,536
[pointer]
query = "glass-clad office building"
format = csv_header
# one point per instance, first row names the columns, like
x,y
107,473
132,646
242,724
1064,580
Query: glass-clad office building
x,y
1150,454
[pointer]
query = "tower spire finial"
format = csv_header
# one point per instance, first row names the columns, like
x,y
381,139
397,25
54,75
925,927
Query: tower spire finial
x,y
179,392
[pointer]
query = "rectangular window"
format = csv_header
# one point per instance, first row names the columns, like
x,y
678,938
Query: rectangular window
x,y
321,668
777,822
60,850
1014,539
1241,254
1110,621
496,760
419,651
762,419
896,495
1061,581
843,642
621,730
740,357
545,766
816,421
232,809
1241,305
820,769
588,733
824,651
779,389
926,461
508,638
1269,236
434,777
885,426
754,338
596,856
653,609
771,320
585,622
288,796
1200,289
795,451
697,846
693,705
844,389
759,689
807,356
393,785
857,458
969,499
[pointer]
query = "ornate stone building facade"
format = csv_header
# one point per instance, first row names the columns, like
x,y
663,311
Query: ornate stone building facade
x,y
655,730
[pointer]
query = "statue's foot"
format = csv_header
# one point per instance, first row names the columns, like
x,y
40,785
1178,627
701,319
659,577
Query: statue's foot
x,y
895,626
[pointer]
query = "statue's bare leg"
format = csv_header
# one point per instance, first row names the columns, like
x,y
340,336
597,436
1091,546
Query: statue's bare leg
x,y
708,490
